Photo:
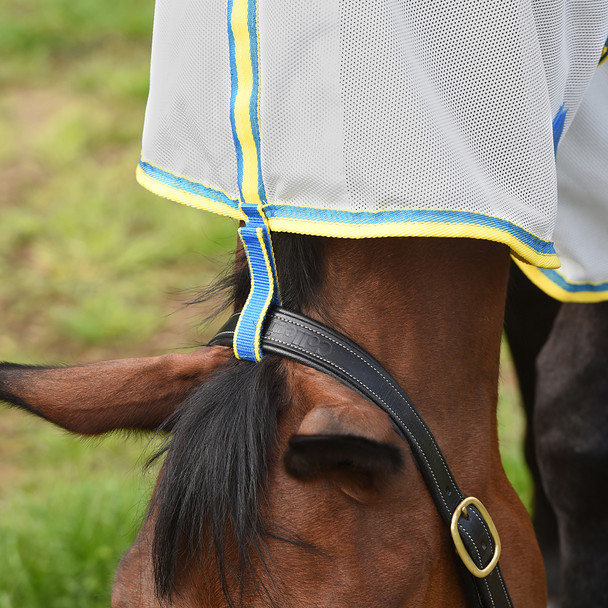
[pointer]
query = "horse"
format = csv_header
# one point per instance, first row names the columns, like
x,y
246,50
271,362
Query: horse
x,y
283,487
559,354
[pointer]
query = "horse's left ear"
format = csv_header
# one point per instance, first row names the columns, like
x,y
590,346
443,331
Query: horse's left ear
x,y
344,439
101,397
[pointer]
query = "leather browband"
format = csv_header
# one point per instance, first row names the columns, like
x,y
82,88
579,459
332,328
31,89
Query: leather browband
x,y
315,345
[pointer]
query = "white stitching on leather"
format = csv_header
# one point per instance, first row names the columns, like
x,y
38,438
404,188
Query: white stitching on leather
x,y
492,545
460,527
483,523
396,415
502,584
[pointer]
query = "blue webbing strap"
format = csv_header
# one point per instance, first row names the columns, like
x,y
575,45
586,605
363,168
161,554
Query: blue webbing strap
x,y
255,237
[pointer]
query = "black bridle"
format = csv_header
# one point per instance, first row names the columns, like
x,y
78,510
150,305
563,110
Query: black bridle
x,y
473,532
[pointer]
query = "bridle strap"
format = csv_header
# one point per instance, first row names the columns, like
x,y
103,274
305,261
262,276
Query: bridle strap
x,y
308,342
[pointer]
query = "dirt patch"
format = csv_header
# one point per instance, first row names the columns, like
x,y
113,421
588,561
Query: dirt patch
x,y
25,112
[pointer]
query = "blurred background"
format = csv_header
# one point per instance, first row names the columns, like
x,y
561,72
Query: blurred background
x,y
93,267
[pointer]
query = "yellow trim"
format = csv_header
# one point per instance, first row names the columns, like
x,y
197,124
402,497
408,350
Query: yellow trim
x,y
258,330
257,33
359,231
185,198
404,229
396,209
555,291
242,121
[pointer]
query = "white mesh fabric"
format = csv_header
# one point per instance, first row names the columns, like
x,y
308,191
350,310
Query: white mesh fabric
x,y
445,108
301,103
581,233
569,34
381,106
444,105
187,129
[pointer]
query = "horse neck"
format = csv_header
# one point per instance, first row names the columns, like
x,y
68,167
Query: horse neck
x,y
431,311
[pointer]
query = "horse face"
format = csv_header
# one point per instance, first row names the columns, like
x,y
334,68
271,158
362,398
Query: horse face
x,y
346,492
350,519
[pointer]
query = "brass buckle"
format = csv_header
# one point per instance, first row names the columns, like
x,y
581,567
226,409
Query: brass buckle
x,y
461,509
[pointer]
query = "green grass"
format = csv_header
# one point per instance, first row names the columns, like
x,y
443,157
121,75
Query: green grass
x,y
63,527
91,267
511,430
71,507
89,261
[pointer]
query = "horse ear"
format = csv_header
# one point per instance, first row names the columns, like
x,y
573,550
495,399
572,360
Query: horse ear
x,y
100,397
348,438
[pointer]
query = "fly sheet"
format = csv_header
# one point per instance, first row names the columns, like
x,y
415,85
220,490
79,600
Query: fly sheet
x,y
373,118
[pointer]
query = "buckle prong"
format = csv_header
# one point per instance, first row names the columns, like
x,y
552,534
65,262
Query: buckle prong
x,y
470,565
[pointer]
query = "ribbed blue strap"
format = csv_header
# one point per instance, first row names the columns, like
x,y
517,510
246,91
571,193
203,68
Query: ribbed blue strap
x,y
255,237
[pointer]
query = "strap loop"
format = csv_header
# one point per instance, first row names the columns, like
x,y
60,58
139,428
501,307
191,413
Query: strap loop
x,y
257,244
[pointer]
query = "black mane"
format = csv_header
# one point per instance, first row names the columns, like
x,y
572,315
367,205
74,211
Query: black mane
x,y
221,439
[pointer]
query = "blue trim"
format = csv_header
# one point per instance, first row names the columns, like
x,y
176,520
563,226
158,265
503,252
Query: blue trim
x,y
333,216
234,85
181,183
558,126
403,216
255,101
560,281
247,338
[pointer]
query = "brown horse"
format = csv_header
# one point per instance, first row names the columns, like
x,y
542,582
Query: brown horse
x,y
282,487
559,351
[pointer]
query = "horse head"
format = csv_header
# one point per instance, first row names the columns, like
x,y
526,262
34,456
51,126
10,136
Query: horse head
x,y
319,499
283,487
